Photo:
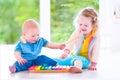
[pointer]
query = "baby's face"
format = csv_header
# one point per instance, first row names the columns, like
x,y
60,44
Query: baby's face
x,y
85,24
31,35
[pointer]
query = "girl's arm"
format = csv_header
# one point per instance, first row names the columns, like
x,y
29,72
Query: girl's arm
x,y
71,41
95,54
70,44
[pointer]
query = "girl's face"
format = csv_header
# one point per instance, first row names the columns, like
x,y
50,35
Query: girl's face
x,y
31,35
85,25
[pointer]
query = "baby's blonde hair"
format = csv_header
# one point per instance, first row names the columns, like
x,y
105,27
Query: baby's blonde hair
x,y
29,24
88,12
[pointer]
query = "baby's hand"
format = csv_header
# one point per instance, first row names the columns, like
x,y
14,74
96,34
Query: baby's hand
x,y
65,54
62,46
21,60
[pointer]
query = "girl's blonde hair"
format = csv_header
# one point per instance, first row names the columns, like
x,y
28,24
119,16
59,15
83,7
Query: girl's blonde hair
x,y
88,12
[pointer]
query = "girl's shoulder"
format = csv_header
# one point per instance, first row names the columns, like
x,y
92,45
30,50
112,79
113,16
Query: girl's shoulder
x,y
95,34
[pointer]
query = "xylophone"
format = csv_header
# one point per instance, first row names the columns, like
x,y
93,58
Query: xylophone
x,y
48,69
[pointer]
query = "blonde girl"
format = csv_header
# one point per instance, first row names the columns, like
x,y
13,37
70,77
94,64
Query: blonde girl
x,y
81,49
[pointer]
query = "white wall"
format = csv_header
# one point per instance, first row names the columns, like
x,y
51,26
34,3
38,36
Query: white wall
x,y
109,30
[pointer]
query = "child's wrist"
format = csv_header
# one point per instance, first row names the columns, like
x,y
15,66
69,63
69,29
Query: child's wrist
x,y
93,63
67,51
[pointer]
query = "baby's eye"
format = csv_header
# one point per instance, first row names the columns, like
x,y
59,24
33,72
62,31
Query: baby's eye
x,y
37,34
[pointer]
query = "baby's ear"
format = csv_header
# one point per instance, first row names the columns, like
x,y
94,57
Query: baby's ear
x,y
22,40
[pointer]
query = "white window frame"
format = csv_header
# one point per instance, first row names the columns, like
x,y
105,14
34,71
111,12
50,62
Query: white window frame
x,y
45,19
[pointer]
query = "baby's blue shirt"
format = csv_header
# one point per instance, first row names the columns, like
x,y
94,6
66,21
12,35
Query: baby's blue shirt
x,y
31,51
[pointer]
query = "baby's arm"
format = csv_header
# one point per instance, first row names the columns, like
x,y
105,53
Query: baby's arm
x,y
19,58
55,45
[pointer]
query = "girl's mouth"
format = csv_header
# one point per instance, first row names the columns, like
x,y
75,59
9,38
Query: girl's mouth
x,y
83,30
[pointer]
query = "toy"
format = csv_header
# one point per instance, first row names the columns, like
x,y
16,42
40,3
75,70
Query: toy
x,y
48,69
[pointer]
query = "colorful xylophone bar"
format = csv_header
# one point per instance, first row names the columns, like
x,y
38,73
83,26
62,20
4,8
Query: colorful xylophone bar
x,y
49,69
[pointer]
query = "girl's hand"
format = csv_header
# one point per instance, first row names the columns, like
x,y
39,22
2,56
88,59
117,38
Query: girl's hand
x,y
92,66
21,60
62,46
65,54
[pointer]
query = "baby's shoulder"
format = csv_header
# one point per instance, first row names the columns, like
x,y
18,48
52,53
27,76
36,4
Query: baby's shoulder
x,y
22,40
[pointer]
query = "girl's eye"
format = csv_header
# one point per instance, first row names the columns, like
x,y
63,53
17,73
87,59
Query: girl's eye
x,y
80,24
86,26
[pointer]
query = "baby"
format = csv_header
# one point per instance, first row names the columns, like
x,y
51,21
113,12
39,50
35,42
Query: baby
x,y
29,47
